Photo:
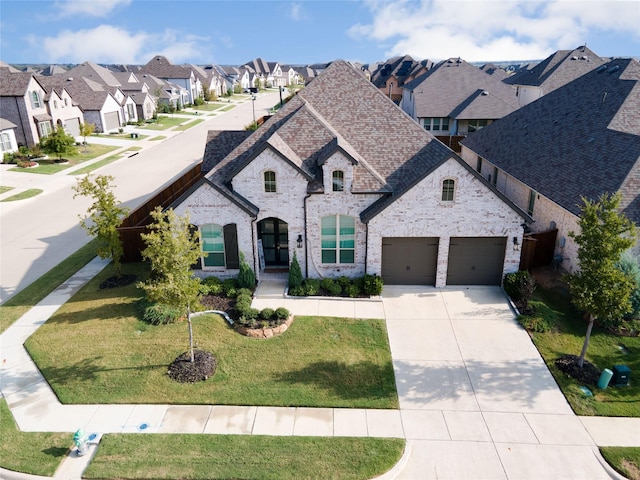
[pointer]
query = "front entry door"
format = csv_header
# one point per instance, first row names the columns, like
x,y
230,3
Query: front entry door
x,y
274,234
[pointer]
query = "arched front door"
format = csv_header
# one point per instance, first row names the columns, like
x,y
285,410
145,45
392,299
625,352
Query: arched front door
x,y
274,234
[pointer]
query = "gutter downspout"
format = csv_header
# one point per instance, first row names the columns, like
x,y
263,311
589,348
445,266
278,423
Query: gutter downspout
x,y
306,249
366,246
253,247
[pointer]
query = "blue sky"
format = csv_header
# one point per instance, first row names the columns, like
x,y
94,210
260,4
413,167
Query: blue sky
x,y
308,31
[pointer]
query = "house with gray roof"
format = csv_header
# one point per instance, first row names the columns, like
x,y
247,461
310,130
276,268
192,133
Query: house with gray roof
x,y
181,75
580,140
347,182
457,98
553,72
8,142
392,75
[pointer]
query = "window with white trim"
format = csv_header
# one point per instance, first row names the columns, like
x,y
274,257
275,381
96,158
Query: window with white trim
x,y
448,190
5,142
436,124
36,100
270,181
475,125
212,242
532,202
44,128
131,110
338,238
337,178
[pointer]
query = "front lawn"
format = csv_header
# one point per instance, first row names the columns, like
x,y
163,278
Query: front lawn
x,y
605,351
242,456
163,123
96,350
31,192
49,166
626,460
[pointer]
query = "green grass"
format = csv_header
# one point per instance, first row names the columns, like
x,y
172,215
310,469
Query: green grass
x,y
626,460
49,166
605,351
157,138
240,456
19,304
103,162
209,107
228,107
96,350
165,123
32,192
5,189
30,452
189,125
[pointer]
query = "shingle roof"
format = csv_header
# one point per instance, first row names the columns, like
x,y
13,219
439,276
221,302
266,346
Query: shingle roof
x,y
6,124
93,72
582,139
161,67
558,69
86,93
13,84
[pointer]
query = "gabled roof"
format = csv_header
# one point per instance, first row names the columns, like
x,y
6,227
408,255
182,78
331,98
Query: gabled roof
x,y
53,70
93,72
557,69
86,93
15,83
6,124
161,67
581,140
455,88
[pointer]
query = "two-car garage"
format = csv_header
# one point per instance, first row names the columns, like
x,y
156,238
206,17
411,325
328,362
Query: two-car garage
x,y
471,260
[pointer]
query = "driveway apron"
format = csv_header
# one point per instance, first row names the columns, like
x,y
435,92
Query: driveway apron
x,y
476,399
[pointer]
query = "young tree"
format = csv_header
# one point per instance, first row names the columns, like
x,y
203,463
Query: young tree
x,y
172,248
600,288
105,215
86,130
59,143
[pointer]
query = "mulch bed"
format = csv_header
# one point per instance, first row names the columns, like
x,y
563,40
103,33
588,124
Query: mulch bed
x,y
118,281
184,371
589,374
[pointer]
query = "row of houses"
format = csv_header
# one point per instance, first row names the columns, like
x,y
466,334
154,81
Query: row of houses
x,y
33,104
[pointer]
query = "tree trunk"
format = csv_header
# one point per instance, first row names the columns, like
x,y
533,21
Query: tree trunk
x,y
190,334
587,337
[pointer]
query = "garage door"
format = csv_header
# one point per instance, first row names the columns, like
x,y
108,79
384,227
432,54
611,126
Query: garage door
x,y
409,261
111,121
72,125
476,260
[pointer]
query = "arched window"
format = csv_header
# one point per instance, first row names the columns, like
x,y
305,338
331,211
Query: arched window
x,y
269,181
212,242
338,180
338,239
448,190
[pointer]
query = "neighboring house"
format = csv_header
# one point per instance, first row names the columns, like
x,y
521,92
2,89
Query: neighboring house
x,y
553,72
64,111
456,98
181,75
163,92
393,74
306,74
139,94
581,140
22,102
348,182
8,142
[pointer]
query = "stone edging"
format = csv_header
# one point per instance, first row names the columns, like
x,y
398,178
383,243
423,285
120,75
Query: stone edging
x,y
264,332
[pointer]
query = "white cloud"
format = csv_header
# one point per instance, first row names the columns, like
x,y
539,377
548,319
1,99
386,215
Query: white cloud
x,y
492,30
91,8
110,44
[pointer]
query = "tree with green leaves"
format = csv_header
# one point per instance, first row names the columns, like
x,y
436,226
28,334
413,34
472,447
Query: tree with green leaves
x,y
173,247
600,288
59,143
104,216
86,130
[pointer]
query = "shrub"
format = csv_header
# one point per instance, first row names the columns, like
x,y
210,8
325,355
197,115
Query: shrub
x,y
352,290
229,287
344,282
295,274
213,286
266,314
244,291
630,265
243,303
534,323
519,286
311,287
372,285
297,291
331,286
160,314
246,277
281,313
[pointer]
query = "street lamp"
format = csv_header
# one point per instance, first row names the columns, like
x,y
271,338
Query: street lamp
x,y
253,106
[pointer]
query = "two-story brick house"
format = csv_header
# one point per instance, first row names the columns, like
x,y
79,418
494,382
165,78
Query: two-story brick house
x,y
341,176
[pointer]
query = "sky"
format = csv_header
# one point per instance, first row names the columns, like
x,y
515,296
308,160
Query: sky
x,y
311,31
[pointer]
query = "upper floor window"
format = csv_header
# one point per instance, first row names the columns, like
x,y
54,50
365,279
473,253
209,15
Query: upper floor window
x,y
269,181
479,164
436,124
475,125
338,180
532,202
66,103
338,238
212,242
36,101
448,190
55,104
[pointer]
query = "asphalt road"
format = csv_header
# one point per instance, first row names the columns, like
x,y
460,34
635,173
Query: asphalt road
x,y
38,233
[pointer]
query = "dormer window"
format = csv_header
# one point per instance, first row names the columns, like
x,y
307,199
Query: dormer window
x,y
270,181
338,180
448,190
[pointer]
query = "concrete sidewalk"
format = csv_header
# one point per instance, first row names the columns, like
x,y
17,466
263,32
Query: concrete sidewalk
x,y
476,400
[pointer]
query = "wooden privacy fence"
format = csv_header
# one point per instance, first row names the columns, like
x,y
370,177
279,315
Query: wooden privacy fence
x,y
138,220
538,249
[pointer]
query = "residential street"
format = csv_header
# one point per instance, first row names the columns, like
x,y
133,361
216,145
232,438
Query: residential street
x,y
38,233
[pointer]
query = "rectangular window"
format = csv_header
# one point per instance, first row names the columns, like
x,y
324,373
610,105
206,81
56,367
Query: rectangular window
x,y
495,176
338,180
131,110
475,125
5,141
338,237
436,124
479,164
212,238
44,128
448,190
532,202
270,182
36,100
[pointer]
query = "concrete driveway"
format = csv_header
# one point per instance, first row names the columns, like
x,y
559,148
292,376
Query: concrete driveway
x,y
476,398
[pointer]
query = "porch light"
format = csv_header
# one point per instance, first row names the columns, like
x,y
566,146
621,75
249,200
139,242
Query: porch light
x,y
516,244
299,240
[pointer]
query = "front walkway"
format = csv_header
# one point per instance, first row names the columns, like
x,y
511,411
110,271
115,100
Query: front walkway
x,y
476,400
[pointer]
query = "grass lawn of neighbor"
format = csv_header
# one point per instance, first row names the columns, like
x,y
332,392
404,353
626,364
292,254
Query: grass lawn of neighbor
x,y
31,192
164,122
49,166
